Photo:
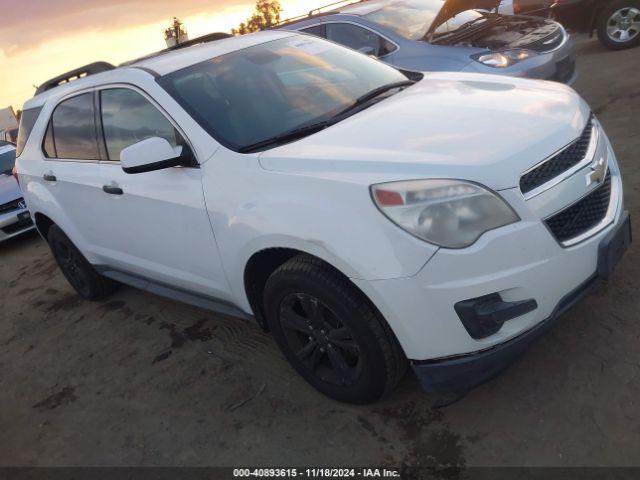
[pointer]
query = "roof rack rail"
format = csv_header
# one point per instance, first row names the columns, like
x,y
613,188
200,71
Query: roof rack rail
x,y
209,37
317,11
80,72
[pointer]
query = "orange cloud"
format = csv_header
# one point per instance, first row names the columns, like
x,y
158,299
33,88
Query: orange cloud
x,y
44,38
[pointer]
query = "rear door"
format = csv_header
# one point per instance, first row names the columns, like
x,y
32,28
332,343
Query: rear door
x,y
158,227
71,172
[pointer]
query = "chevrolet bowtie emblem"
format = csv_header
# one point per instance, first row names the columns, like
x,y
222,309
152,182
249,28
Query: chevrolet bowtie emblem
x,y
598,171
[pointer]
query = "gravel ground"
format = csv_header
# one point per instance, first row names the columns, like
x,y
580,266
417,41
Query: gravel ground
x,y
139,380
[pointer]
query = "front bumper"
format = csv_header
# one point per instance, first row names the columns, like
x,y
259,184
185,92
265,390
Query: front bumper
x,y
521,264
458,374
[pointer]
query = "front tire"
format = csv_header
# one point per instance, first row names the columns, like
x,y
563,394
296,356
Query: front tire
x,y
89,284
329,332
618,25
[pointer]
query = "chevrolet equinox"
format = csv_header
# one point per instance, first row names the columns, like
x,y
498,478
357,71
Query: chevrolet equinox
x,y
369,219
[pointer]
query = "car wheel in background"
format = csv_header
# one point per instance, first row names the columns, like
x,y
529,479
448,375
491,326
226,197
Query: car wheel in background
x,y
89,284
330,333
618,25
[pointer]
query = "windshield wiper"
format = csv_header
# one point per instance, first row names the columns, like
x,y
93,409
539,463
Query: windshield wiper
x,y
376,92
307,130
285,137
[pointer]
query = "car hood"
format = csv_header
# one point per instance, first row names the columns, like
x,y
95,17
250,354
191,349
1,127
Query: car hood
x,y
9,189
451,8
483,128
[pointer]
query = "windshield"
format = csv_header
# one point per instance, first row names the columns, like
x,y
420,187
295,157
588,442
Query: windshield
x,y
260,92
413,18
7,158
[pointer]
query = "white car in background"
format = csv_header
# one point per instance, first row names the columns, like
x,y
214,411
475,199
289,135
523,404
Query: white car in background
x,y
367,219
14,216
525,7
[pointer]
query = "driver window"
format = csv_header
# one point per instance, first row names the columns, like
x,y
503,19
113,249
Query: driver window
x,y
128,118
360,39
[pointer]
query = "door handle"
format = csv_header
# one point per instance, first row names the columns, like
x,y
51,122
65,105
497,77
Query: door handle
x,y
49,177
110,189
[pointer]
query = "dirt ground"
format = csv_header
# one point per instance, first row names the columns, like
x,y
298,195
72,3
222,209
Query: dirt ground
x,y
139,380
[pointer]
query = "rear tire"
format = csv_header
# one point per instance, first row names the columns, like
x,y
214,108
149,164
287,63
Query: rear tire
x,y
89,284
330,333
618,25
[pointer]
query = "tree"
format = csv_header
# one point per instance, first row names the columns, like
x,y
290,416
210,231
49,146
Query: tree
x,y
267,14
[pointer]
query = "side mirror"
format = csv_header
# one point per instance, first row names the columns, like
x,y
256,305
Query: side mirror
x,y
152,154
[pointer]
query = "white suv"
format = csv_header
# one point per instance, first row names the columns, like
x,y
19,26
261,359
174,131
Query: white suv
x,y
368,218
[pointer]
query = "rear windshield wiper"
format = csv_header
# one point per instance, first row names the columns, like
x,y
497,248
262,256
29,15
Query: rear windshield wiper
x,y
285,137
307,130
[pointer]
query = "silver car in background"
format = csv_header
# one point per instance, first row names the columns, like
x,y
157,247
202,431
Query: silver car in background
x,y
14,216
448,35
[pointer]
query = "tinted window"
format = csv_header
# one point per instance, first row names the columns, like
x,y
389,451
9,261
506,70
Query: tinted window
x,y
27,120
128,118
74,130
317,30
259,92
360,39
7,158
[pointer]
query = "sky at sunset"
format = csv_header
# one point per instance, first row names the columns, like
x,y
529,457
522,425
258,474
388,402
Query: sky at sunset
x,y
40,39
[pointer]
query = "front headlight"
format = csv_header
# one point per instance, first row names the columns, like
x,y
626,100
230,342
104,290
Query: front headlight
x,y
448,213
505,58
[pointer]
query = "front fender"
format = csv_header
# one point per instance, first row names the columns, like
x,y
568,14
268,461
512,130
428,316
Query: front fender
x,y
329,216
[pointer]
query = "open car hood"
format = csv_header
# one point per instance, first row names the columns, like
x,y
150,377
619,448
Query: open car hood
x,y
451,8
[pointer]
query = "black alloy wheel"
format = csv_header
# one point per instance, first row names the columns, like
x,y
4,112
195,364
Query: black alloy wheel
x,y
330,333
323,343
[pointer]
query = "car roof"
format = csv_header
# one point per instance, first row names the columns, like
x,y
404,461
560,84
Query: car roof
x,y
364,8
6,147
165,63
179,59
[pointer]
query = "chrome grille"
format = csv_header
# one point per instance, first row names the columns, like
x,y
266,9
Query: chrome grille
x,y
548,43
10,206
582,215
563,161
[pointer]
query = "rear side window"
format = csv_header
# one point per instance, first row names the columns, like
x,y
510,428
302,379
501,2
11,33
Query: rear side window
x,y
317,30
128,118
72,131
27,121
360,39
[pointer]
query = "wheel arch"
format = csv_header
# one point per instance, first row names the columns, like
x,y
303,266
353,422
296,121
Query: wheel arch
x,y
43,223
595,17
264,262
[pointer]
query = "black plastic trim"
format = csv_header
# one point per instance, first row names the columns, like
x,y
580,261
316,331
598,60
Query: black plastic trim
x,y
462,373
186,159
206,302
484,316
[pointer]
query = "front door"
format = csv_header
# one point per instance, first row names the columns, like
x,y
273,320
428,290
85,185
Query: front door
x,y
158,226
